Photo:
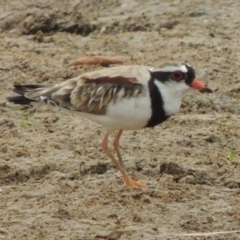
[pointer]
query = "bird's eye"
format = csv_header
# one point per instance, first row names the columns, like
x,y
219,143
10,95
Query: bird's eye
x,y
177,76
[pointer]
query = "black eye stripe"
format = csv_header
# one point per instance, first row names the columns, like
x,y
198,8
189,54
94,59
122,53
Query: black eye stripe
x,y
188,76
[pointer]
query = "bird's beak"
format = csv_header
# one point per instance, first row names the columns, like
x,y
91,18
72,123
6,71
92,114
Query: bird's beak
x,y
200,86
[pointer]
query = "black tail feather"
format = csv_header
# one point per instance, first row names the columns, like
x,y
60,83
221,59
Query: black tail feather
x,y
21,91
28,93
20,100
32,86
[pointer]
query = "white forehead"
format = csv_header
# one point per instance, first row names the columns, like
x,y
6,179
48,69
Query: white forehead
x,y
170,68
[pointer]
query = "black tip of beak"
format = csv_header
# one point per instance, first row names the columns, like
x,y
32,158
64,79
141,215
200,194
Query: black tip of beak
x,y
206,90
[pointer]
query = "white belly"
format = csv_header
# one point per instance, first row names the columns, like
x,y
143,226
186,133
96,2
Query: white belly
x,y
128,114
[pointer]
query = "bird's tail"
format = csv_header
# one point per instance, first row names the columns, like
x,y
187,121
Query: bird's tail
x,y
29,93
53,94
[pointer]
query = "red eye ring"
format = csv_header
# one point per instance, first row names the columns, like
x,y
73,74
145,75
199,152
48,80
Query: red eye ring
x,y
177,76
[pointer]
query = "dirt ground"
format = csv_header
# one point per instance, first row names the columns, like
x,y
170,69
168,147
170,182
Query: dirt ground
x,y
55,181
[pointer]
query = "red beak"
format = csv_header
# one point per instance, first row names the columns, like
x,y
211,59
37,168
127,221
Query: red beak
x,y
196,84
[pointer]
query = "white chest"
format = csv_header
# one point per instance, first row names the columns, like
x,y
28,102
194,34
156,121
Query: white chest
x,y
172,94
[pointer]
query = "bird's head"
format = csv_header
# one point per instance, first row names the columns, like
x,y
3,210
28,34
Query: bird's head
x,y
176,77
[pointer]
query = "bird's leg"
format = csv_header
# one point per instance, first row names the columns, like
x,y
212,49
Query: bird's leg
x,y
116,147
110,155
120,166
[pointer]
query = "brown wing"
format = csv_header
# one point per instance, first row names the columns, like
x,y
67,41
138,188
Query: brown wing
x,y
97,89
95,97
91,92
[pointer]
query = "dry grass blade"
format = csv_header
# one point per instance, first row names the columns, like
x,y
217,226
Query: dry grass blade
x,y
211,233
103,61
114,235
206,234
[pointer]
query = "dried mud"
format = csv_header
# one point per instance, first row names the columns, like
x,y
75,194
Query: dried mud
x,y
55,181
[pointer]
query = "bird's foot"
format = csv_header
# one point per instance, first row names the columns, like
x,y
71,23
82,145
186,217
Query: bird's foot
x,y
133,183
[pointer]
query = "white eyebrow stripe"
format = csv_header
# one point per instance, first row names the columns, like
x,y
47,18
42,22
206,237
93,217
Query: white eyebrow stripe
x,y
181,68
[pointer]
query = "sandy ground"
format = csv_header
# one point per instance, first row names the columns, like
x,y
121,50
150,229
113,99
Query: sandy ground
x,y
55,181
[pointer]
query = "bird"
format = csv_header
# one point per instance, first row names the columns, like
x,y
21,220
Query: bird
x,y
129,97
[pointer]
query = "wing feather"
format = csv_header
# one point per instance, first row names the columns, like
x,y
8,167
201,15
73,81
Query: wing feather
x,y
91,92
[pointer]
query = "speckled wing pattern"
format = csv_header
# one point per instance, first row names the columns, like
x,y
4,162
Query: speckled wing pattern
x,y
94,98
91,92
